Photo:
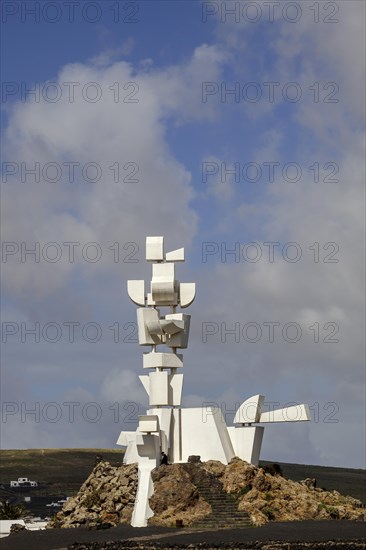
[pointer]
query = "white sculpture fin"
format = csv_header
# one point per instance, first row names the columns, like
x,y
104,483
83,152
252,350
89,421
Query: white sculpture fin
x,y
136,291
296,413
145,381
175,389
175,255
187,293
250,410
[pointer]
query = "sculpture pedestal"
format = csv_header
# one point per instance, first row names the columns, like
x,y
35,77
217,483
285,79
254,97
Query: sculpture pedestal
x,y
247,442
148,448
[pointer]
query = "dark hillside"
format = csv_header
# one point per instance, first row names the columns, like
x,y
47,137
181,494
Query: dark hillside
x,y
347,481
60,471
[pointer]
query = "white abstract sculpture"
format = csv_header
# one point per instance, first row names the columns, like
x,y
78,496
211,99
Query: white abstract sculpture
x,y
167,427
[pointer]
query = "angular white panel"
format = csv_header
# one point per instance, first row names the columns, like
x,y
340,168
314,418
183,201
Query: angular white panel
x,y
175,389
144,379
187,293
296,413
250,410
175,255
136,291
204,432
165,418
158,388
154,249
122,439
247,442
148,423
129,439
155,360
180,339
147,317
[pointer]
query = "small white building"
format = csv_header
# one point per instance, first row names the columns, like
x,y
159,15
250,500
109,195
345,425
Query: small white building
x,y
23,482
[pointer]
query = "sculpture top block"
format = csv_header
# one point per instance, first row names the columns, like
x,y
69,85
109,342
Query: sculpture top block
x,y
165,290
155,251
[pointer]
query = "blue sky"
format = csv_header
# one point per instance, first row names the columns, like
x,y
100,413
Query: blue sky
x,y
176,131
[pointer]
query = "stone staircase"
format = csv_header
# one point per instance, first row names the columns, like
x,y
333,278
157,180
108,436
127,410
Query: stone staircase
x,y
225,511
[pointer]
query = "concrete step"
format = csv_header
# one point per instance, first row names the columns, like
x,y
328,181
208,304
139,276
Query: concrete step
x,y
224,507
231,505
237,517
215,524
214,521
227,512
216,496
225,521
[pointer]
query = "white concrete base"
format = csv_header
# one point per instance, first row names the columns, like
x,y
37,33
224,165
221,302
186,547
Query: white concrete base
x,y
197,431
193,431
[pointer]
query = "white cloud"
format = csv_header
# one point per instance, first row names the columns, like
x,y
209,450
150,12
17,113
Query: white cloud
x,y
109,131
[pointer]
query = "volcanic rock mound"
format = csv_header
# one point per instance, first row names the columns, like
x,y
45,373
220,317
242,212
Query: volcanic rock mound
x,y
203,494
